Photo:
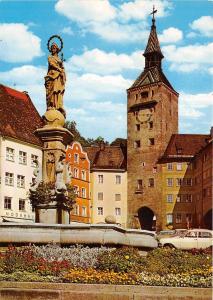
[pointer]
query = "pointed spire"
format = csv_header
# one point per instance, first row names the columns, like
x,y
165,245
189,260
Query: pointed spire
x,y
153,54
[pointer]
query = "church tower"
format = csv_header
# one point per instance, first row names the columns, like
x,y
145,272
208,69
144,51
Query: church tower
x,y
152,119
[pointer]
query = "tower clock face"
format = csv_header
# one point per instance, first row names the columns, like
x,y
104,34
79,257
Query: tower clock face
x,y
143,116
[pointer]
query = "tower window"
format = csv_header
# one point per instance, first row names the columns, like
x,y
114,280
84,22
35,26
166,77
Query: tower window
x,y
139,184
151,182
144,94
151,141
150,125
137,127
137,144
136,96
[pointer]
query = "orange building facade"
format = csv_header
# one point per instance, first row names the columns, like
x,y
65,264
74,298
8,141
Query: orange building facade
x,y
80,167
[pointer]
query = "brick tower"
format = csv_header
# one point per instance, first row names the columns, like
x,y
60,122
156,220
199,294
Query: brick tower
x,y
152,119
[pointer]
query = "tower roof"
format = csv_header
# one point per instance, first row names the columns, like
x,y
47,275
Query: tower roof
x,y
152,72
153,44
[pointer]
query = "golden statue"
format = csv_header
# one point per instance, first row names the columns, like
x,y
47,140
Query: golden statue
x,y
56,78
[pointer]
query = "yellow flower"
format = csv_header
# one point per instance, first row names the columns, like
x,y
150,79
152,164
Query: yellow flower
x,y
127,256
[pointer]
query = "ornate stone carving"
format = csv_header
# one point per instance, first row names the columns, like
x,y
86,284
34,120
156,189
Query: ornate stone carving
x,y
55,78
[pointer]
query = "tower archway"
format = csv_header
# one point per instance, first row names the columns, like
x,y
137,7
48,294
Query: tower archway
x,y
146,218
207,220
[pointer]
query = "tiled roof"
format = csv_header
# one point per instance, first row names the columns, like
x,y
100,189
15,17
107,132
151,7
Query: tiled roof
x,y
107,157
185,145
153,43
18,116
149,76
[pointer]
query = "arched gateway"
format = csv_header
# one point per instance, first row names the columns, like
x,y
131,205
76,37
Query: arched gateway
x,y
146,218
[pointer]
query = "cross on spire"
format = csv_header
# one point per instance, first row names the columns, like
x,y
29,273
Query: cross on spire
x,y
154,11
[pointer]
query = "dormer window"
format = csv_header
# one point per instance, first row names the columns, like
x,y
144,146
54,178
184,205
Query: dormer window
x,y
144,95
179,151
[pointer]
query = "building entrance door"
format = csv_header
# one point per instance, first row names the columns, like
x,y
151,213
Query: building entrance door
x,y
208,220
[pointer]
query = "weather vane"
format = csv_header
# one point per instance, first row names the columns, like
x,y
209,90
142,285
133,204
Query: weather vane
x,y
154,11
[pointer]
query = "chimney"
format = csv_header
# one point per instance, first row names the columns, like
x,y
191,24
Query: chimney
x,y
211,132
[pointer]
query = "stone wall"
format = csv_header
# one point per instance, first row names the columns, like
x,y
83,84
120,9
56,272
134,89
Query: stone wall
x,y
66,291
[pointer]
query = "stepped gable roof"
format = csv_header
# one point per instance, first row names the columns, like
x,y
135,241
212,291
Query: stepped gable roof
x,y
185,145
18,116
106,157
149,76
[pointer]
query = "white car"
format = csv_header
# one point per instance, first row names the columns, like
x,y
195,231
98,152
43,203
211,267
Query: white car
x,y
194,238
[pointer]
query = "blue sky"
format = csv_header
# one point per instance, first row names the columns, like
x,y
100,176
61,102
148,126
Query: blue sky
x,y
103,45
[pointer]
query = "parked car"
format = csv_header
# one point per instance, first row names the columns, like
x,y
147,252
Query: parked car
x,y
194,238
168,233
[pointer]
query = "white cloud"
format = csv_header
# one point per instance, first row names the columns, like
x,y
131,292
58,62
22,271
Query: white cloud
x,y
204,25
18,44
171,35
101,62
141,9
67,30
192,105
189,58
84,11
92,86
110,22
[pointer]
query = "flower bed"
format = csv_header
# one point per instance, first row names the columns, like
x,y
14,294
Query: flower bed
x,y
161,267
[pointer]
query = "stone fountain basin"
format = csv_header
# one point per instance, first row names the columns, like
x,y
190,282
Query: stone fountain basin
x,y
84,234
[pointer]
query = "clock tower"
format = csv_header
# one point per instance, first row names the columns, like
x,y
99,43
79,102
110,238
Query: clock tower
x,y
152,119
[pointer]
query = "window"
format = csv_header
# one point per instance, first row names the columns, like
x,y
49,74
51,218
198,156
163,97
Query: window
x,y
20,181
76,210
34,159
22,157
76,190
10,154
100,178
151,141
136,96
22,204
117,197
169,167
84,211
143,164
144,94
75,171
7,203
118,179
188,197
169,198
76,158
150,125
83,174
100,196
179,151
204,193
191,234
137,127
151,182
100,211
205,234
169,181
154,169
9,179
178,218
179,181
137,144
83,192
139,184
117,211
189,218
189,181
179,167
169,218
179,198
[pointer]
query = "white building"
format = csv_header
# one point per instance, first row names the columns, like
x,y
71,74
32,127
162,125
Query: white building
x,y
19,148
108,183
